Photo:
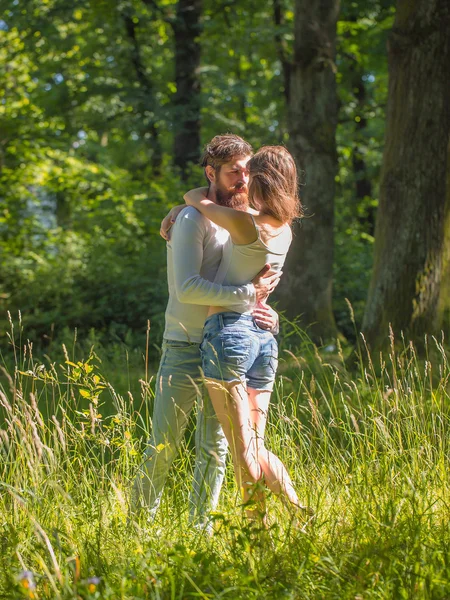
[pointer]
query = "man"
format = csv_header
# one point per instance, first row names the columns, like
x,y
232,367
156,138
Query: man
x,y
194,252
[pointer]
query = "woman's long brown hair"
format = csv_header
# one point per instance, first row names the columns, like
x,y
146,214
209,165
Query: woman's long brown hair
x,y
274,183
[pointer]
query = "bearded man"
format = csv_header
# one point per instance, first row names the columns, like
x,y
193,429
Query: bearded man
x,y
194,252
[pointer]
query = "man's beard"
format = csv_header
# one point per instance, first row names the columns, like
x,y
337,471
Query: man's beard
x,y
236,197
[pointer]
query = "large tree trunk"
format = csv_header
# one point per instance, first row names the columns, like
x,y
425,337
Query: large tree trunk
x,y
412,234
312,113
186,28
443,316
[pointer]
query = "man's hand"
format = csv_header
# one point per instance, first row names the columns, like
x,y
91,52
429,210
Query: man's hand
x,y
266,318
265,282
169,220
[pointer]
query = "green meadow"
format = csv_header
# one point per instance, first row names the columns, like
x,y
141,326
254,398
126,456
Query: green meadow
x,y
368,449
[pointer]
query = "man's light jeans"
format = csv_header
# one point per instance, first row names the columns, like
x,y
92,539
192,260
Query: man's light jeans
x,y
178,386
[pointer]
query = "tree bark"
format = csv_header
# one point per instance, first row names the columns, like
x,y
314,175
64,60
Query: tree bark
x,y
312,115
186,29
443,314
412,234
363,185
63,211
281,46
147,102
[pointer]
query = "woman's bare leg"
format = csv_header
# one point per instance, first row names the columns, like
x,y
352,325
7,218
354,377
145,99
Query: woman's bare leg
x,y
259,407
231,403
243,415
275,474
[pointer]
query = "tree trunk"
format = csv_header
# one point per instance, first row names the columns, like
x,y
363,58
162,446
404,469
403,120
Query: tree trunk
x,y
443,316
186,29
63,210
412,234
312,114
147,102
363,185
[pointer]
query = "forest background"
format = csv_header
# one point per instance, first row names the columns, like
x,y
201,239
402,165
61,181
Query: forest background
x,y
103,115
104,108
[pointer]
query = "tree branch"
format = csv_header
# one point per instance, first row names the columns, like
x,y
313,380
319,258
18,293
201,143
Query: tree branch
x,y
154,5
136,53
146,84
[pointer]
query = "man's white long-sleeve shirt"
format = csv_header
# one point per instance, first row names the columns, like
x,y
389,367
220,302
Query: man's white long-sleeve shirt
x,y
194,253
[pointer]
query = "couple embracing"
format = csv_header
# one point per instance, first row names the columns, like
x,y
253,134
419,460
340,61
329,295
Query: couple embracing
x,y
220,331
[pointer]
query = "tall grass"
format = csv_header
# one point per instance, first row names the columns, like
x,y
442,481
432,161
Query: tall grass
x,y
370,453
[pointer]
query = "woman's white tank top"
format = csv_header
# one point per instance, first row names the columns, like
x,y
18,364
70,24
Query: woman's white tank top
x,y
241,262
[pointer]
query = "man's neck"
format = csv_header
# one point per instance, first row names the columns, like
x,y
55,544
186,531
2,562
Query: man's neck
x,y
211,195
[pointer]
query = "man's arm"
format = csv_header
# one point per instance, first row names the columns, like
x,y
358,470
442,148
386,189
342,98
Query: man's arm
x,y
190,287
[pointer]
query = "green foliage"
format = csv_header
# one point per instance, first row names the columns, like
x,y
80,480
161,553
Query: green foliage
x,y
106,269
80,208
241,79
362,84
86,130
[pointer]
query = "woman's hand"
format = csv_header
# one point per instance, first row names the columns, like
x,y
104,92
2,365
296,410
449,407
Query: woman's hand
x,y
169,220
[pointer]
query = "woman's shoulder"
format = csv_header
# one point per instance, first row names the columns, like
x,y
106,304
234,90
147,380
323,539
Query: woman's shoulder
x,y
269,226
276,239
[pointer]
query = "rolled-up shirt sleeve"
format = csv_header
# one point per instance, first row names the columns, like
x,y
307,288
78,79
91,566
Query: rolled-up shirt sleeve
x,y
187,250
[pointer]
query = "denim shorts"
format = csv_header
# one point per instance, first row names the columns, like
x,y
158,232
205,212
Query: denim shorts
x,y
234,348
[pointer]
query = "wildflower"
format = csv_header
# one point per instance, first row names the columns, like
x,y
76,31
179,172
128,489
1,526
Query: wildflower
x,y
92,583
27,583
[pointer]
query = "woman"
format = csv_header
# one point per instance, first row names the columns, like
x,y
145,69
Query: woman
x,y
240,359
